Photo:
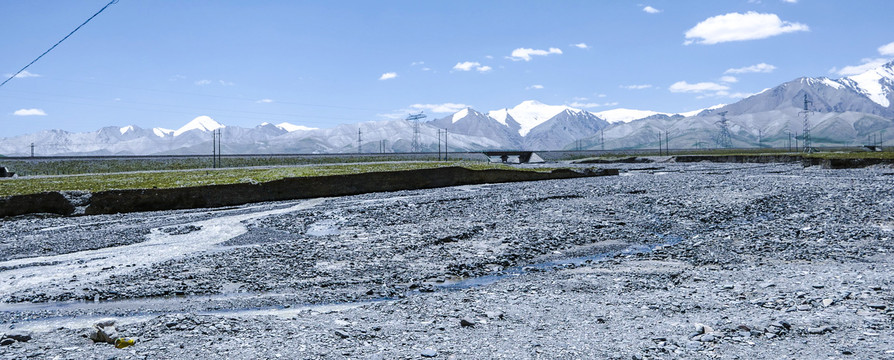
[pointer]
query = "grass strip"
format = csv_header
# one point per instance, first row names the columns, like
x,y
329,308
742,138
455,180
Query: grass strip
x,y
189,178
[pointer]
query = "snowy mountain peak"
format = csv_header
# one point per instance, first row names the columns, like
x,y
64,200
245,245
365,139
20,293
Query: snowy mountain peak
x,y
460,114
292,127
625,115
203,123
876,84
125,129
529,114
162,132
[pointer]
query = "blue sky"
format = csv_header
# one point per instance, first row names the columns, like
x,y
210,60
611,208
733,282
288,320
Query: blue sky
x,y
322,63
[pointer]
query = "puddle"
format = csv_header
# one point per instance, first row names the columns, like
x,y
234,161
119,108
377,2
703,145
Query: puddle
x,y
669,240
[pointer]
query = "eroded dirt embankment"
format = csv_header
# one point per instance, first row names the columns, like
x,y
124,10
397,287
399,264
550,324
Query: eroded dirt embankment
x,y
136,200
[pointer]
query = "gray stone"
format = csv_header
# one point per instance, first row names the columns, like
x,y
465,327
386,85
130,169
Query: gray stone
x,y
877,306
7,341
818,330
494,314
20,336
429,353
104,331
828,302
804,307
708,338
466,322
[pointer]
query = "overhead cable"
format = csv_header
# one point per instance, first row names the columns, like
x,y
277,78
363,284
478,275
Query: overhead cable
x,y
58,42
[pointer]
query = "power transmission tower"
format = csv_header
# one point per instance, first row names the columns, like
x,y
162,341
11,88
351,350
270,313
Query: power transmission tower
x,y
415,119
724,139
806,112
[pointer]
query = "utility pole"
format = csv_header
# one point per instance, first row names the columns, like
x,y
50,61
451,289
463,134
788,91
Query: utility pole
x,y
32,149
659,143
439,144
666,143
215,148
359,141
602,138
445,144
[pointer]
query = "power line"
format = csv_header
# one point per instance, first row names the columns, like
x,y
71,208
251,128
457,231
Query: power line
x,y
58,42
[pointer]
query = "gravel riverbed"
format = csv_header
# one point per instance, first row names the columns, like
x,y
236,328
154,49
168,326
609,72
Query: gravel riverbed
x,y
665,261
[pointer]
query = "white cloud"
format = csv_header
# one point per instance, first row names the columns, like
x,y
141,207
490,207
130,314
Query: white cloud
x,y
526,53
887,49
471,65
651,10
388,75
264,101
440,108
728,79
790,1
682,86
636,87
601,95
425,69
536,87
417,63
226,83
24,74
581,46
740,27
759,68
202,82
466,65
867,64
176,77
29,112
581,105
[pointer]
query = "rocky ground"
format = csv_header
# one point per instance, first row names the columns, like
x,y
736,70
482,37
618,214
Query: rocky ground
x,y
665,261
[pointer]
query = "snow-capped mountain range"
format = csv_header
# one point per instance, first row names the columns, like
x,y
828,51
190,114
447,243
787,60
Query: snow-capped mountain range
x,y
843,112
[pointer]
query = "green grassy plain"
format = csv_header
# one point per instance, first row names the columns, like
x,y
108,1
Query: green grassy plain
x,y
188,178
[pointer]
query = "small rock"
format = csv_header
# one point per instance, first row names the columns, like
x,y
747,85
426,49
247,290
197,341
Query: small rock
x,y
818,330
429,353
466,322
828,302
494,314
876,306
708,338
728,286
20,336
104,331
7,341
818,286
804,307
703,329
341,334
